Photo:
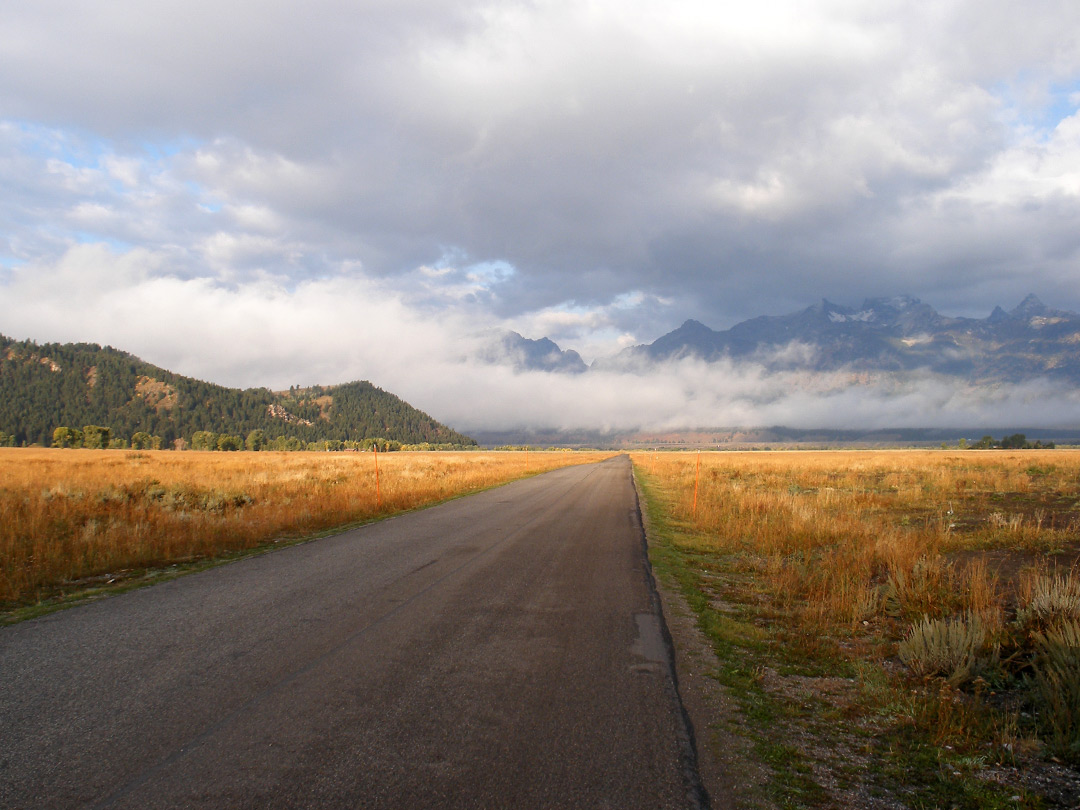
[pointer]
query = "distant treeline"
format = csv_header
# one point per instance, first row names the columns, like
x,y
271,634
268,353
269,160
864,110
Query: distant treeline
x,y
1017,441
51,386
95,437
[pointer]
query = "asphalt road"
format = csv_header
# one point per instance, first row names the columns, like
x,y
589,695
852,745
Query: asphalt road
x,y
501,650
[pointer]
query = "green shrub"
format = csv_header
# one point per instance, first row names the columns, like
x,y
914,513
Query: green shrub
x,y
67,437
230,443
954,649
96,437
144,441
1054,599
1057,689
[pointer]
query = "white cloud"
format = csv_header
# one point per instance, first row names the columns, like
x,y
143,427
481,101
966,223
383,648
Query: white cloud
x,y
594,172
1035,170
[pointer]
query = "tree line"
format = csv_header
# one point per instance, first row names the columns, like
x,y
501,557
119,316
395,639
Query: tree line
x,y
1016,441
95,437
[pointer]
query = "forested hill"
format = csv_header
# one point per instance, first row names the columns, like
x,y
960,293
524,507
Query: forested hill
x,y
43,387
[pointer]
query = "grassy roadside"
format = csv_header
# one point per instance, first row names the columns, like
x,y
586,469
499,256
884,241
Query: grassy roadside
x,y
69,594
79,524
827,707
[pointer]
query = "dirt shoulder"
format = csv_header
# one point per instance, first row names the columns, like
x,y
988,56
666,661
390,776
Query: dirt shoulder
x,y
729,773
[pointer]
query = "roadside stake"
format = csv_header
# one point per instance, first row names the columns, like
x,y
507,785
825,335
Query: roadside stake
x,y
378,492
697,477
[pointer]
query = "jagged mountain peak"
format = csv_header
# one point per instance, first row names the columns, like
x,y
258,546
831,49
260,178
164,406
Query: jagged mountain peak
x,y
896,334
825,305
825,310
903,312
528,354
691,325
898,302
880,308
543,343
1030,307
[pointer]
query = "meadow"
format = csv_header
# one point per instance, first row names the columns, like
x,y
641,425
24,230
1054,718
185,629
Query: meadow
x,y
897,628
72,521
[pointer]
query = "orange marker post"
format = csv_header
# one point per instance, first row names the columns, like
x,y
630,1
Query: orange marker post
x,y
697,478
378,492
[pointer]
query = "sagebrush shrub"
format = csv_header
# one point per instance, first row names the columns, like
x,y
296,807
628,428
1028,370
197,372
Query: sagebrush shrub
x,y
951,648
1057,688
1052,599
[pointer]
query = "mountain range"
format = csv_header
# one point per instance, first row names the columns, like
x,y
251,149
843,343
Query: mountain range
x,y
43,387
46,386
883,335
527,354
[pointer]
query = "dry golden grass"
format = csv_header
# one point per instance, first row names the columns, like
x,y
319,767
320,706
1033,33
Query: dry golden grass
x,y
927,575
68,515
835,532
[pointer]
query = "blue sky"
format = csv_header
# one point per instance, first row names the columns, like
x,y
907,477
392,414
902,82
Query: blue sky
x,y
339,190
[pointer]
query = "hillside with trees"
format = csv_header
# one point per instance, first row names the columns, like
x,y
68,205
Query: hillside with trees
x,y
105,397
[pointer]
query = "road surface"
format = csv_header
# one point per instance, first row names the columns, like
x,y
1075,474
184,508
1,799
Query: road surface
x,y
501,650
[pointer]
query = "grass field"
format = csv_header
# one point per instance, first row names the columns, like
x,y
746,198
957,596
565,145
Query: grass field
x,y
73,520
897,628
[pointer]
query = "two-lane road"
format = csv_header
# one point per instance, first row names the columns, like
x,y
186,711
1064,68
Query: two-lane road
x,y
501,650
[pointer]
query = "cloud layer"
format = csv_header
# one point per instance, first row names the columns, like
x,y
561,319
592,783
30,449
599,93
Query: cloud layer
x,y
261,333
267,193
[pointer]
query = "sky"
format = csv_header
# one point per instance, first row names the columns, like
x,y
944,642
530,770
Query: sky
x,y
269,194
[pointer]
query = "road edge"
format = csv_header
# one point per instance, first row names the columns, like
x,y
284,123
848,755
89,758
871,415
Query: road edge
x,y
728,771
698,796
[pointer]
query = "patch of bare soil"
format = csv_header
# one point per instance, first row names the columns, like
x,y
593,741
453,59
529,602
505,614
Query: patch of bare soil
x,y
730,774
1057,784
279,412
156,394
1009,564
839,759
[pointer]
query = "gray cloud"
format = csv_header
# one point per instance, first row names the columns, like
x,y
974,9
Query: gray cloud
x,y
594,172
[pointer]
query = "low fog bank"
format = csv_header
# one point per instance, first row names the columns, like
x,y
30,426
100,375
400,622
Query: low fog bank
x,y
692,394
